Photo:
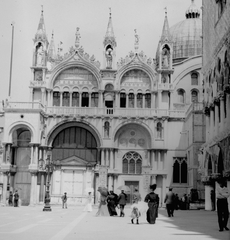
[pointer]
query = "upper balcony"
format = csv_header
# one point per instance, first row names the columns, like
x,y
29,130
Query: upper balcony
x,y
165,86
94,111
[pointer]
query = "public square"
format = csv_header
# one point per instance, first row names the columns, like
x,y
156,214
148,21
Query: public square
x,y
61,224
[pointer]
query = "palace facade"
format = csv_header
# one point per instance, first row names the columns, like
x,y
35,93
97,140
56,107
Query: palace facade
x,y
215,153
134,121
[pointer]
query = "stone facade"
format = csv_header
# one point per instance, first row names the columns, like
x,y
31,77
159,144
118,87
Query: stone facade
x,y
117,124
215,158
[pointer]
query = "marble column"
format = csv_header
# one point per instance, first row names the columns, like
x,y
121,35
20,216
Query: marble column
x,y
143,101
61,98
211,121
42,188
110,182
159,99
163,188
90,99
127,100
70,99
208,204
102,157
217,120
33,188
207,121
4,190
80,99
111,159
222,113
153,179
159,160
135,100
49,98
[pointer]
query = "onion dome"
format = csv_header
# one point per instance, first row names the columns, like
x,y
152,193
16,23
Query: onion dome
x,y
186,35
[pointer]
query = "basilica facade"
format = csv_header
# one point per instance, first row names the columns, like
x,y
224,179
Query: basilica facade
x,y
120,122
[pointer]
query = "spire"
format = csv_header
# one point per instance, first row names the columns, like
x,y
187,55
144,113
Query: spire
x,y
165,32
136,43
41,31
51,50
109,36
192,11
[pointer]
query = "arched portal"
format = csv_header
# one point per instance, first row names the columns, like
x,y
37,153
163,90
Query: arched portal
x,y
75,153
21,157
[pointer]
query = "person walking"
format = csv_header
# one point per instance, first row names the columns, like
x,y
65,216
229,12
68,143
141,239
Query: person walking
x,y
169,200
122,199
153,202
112,203
64,200
222,194
88,206
10,200
16,198
136,195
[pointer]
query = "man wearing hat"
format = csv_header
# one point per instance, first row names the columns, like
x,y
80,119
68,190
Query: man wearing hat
x,y
169,200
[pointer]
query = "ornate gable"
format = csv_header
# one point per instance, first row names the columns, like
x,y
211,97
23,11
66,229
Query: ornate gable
x,y
73,161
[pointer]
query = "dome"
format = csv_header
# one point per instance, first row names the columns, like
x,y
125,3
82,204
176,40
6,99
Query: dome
x,y
186,35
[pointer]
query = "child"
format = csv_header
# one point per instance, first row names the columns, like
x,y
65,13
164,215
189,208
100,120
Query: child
x,y
135,214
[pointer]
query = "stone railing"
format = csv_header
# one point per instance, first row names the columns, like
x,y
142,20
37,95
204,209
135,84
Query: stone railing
x,y
95,111
116,112
23,105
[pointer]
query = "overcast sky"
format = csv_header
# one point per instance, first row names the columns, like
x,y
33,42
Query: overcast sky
x,y
91,16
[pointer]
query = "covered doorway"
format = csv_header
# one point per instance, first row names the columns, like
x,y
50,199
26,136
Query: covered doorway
x,y
21,158
132,185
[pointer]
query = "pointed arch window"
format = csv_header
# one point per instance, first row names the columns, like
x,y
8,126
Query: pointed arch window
x,y
180,170
56,99
106,129
132,163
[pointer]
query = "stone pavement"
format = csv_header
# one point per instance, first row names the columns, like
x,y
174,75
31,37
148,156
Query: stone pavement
x,y
31,223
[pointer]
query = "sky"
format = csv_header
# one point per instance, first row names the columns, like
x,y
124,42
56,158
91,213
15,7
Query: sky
x,y
91,16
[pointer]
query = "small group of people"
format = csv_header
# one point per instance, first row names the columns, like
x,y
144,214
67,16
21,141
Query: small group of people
x,y
109,201
13,199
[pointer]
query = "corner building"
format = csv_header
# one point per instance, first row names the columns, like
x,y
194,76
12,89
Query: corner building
x,y
215,155
116,123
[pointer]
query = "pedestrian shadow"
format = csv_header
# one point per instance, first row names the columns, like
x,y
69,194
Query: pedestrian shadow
x,y
194,222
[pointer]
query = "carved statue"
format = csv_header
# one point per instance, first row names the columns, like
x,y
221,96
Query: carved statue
x,y
40,55
77,41
165,57
109,58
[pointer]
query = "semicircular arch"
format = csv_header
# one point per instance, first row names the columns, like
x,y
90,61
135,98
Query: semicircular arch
x,y
63,125
74,64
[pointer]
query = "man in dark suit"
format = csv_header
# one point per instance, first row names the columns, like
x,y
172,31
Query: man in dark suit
x,y
122,199
169,200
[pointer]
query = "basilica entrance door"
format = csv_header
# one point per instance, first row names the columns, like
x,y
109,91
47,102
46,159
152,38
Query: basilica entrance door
x,y
132,185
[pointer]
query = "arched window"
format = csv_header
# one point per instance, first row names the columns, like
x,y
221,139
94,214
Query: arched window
x,y
194,79
159,130
66,98
122,100
131,100
132,163
94,100
125,166
139,100
132,166
75,99
106,129
56,99
194,96
180,170
147,100
181,96
85,99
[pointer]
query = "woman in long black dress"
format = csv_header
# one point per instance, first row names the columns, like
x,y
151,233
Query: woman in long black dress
x,y
153,202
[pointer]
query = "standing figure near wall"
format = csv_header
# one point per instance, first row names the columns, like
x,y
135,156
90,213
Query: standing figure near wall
x,y
109,58
40,53
165,57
